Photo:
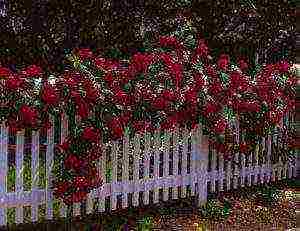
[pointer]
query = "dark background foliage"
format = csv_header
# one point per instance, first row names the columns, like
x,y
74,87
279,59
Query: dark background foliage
x,y
42,31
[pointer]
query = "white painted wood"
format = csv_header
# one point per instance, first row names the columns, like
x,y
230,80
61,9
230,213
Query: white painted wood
x,y
194,158
185,135
228,174
35,147
166,157
19,173
243,164
147,153
102,170
236,171
213,169
202,174
221,173
63,135
269,151
156,164
114,174
3,170
175,160
125,168
136,162
49,164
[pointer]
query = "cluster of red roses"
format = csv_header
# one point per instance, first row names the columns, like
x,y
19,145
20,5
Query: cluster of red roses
x,y
167,88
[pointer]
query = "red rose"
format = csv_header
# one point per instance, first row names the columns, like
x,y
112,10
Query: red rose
x,y
283,66
116,128
169,41
176,70
166,58
121,97
83,110
28,115
60,188
140,62
139,126
85,53
73,162
202,49
211,72
199,81
32,71
238,82
243,147
90,134
220,126
13,83
80,182
223,62
49,95
169,123
243,64
248,106
191,96
160,103
216,88
4,72
210,108
169,95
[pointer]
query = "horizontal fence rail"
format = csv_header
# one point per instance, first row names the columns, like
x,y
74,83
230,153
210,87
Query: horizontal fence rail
x,y
136,171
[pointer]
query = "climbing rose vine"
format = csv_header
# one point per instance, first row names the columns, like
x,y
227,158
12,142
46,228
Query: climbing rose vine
x,y
173,84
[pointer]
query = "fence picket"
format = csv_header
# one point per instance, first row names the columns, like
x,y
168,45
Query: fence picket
x,y
3,169
63,135
185,136
221,173
175,160
166,156
213,170
125,170
136,162
102,171
19,173
156,166
49,164
35,148
114,182
146,165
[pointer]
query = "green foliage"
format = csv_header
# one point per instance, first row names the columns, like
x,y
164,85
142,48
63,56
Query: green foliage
x,y
145,224
214,209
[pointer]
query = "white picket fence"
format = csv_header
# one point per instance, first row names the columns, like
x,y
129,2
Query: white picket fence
x,y
177,165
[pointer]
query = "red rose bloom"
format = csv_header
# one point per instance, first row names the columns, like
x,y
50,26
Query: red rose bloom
x,y
83,109
202,48
169,41
85,53
199,82
243,65
223,62
243,147
60,188
169,95
73,162
160,103
177,70
49,95
80,182
13,83
32,71
210,108
220,126
4,72
283,66
28,115
90,134
215,88
140,62
116,128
